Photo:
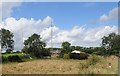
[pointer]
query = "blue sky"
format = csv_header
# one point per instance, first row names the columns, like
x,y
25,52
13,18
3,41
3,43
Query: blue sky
x,y
66,14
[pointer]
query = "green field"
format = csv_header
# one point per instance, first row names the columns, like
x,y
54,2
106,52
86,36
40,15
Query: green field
x,y
62,66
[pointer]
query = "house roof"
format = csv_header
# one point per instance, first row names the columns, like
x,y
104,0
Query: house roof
x,y
75,51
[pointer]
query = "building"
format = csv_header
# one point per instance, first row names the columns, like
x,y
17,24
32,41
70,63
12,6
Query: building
x,y
55,52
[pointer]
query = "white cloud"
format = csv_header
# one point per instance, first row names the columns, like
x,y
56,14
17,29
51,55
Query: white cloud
x,y
83,36
97,33
78,35
112,15
26,27
104,18
6,8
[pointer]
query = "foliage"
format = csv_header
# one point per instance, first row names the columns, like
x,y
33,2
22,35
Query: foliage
x,y
45,53
75,56
89,50
80,56
8,51
66,47
93,60
54,48
11,54
72,48
4,59
25,49
14,58
7,39
99,51
21,57
111,43
83,56
35,47
75,48
66,56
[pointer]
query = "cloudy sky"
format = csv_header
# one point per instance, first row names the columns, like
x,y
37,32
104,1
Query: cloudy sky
x,y
80,23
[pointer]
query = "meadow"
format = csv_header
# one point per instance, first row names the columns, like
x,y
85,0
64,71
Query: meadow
x,y
62,66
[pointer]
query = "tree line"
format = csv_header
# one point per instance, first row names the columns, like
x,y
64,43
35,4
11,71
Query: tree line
x,y
36,47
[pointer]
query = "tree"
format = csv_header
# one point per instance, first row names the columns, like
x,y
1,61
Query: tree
x,y
7,40
34,46
99,51
66,47
75,48
111,43
78,48
89,50
72,48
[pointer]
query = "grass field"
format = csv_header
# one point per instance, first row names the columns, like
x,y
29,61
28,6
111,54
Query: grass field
x,y
62,66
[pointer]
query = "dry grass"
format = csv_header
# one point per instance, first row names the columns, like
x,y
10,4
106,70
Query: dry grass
x,y
61,66
102,66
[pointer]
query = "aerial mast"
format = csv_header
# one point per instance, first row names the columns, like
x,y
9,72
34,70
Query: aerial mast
x,y
51,36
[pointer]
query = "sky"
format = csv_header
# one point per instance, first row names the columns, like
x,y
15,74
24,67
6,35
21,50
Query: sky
x,y
64,13
80,23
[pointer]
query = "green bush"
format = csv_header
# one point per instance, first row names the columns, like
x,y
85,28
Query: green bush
x,y
75,56
81,56
4,59
66,56
45,53
14,58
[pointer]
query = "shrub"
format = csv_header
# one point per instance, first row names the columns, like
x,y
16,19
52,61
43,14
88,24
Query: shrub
x,y
75,56
66,56
61,55
4,59
14,58
93,60
82,55
45,53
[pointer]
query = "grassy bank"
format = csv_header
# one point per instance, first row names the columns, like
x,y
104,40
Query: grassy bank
x,y
62,66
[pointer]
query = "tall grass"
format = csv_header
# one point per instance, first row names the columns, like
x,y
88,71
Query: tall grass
x,y
94,59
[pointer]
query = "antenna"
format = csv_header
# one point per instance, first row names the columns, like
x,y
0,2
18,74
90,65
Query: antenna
x,y
22,40
51,36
